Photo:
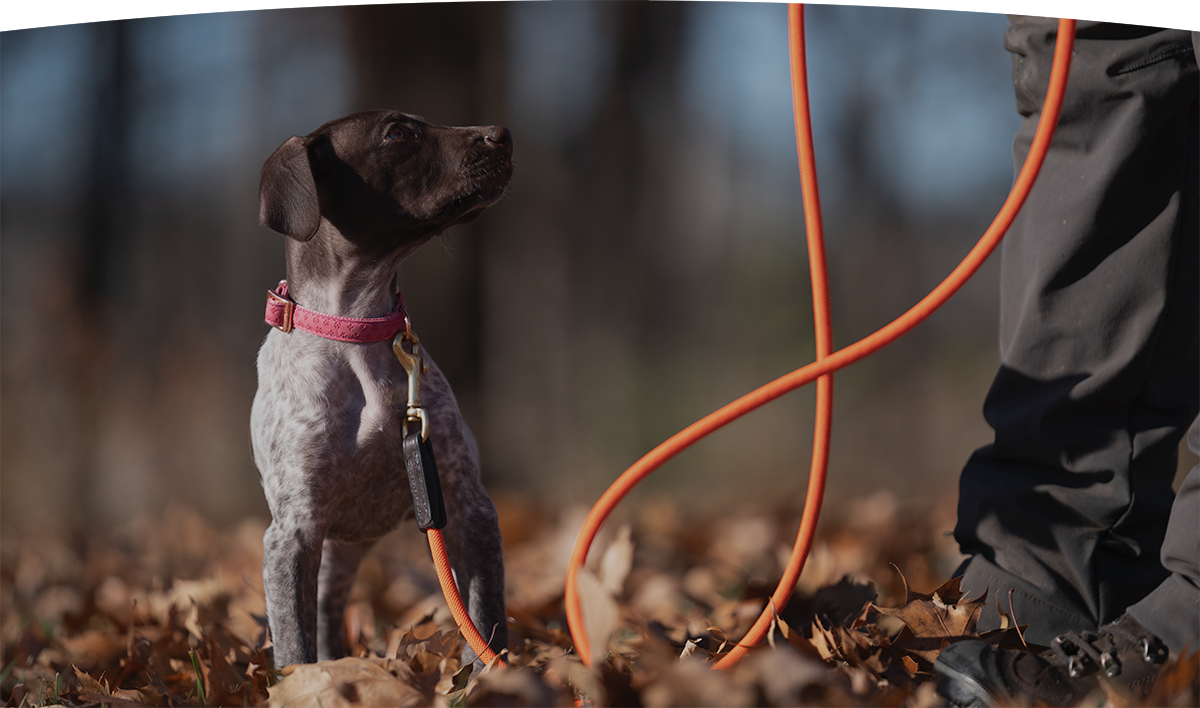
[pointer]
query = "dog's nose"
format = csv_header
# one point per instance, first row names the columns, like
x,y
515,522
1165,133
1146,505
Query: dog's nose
x,y
501,137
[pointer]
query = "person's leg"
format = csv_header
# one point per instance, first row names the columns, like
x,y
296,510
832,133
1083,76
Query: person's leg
x,y
1172,610
1099,337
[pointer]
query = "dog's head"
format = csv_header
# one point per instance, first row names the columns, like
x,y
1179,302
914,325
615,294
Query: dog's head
x,y
383,175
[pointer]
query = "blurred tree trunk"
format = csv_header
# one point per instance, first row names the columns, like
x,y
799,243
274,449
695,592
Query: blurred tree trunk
x,y
614,165
624,290
570,291
100,273
107,175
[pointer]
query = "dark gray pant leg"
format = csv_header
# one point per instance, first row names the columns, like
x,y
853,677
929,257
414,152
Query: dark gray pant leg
x,y
1100,301
1172,610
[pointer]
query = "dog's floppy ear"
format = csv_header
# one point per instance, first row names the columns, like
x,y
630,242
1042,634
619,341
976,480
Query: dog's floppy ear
x,y
287,191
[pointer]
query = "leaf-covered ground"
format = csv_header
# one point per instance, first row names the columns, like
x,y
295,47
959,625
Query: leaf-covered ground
x,y
169,611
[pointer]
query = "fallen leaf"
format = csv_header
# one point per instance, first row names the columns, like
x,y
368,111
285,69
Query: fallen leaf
x,y
93,648
114,700
616,562
943,613
89,684
341,684
600,613
795,639
510,687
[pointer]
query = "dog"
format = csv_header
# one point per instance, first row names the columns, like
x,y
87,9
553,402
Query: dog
x,y
354,198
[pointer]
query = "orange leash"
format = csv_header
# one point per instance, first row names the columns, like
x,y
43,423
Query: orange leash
x,y
814,230
825,364
441,563
827,361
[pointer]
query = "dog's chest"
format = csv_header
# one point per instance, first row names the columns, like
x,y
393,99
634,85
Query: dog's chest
x,y
327,424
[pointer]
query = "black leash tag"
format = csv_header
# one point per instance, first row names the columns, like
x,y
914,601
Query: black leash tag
x,y
423,480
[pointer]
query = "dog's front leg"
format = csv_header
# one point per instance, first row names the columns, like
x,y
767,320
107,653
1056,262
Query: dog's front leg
x,y
291,561
473,544
339,566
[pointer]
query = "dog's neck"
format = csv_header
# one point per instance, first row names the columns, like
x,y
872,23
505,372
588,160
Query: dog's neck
x,y
331,275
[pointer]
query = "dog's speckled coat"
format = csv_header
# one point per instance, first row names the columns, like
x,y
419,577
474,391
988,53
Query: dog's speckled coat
x,y
355,197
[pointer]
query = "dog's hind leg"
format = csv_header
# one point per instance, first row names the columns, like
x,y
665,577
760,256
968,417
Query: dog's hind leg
x,y
339,566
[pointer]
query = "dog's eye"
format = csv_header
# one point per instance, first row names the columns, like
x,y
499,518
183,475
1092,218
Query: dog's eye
x,y
400,133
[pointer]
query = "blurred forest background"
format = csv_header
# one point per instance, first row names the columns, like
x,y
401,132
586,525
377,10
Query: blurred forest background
x,y
646,267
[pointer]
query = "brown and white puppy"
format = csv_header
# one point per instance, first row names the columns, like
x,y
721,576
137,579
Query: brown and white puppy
x,y
354,197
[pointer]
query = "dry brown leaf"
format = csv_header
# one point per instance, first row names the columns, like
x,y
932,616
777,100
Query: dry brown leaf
x,y
341,684
825,642
510,686
90,684
943,613
600,613
617,562
784,677
934,621
114,700
414,641
795,639
93,648
576,680
147,698
597,594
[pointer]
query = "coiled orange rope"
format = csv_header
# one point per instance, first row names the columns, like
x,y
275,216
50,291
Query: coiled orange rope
x,y
827,361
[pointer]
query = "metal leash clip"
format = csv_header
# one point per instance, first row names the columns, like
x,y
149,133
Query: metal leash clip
x,y
428,505
415,365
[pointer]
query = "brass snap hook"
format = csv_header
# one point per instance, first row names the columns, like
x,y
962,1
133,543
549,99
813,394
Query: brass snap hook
x,y
415,365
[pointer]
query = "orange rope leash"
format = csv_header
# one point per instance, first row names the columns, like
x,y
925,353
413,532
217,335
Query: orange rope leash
x,y
441,563
827,361
824,364
823,325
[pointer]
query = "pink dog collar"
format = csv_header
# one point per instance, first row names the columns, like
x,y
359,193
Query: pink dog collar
x,y
285,315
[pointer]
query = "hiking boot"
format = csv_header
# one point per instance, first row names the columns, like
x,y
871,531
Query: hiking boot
x,y
975,674
1123,654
